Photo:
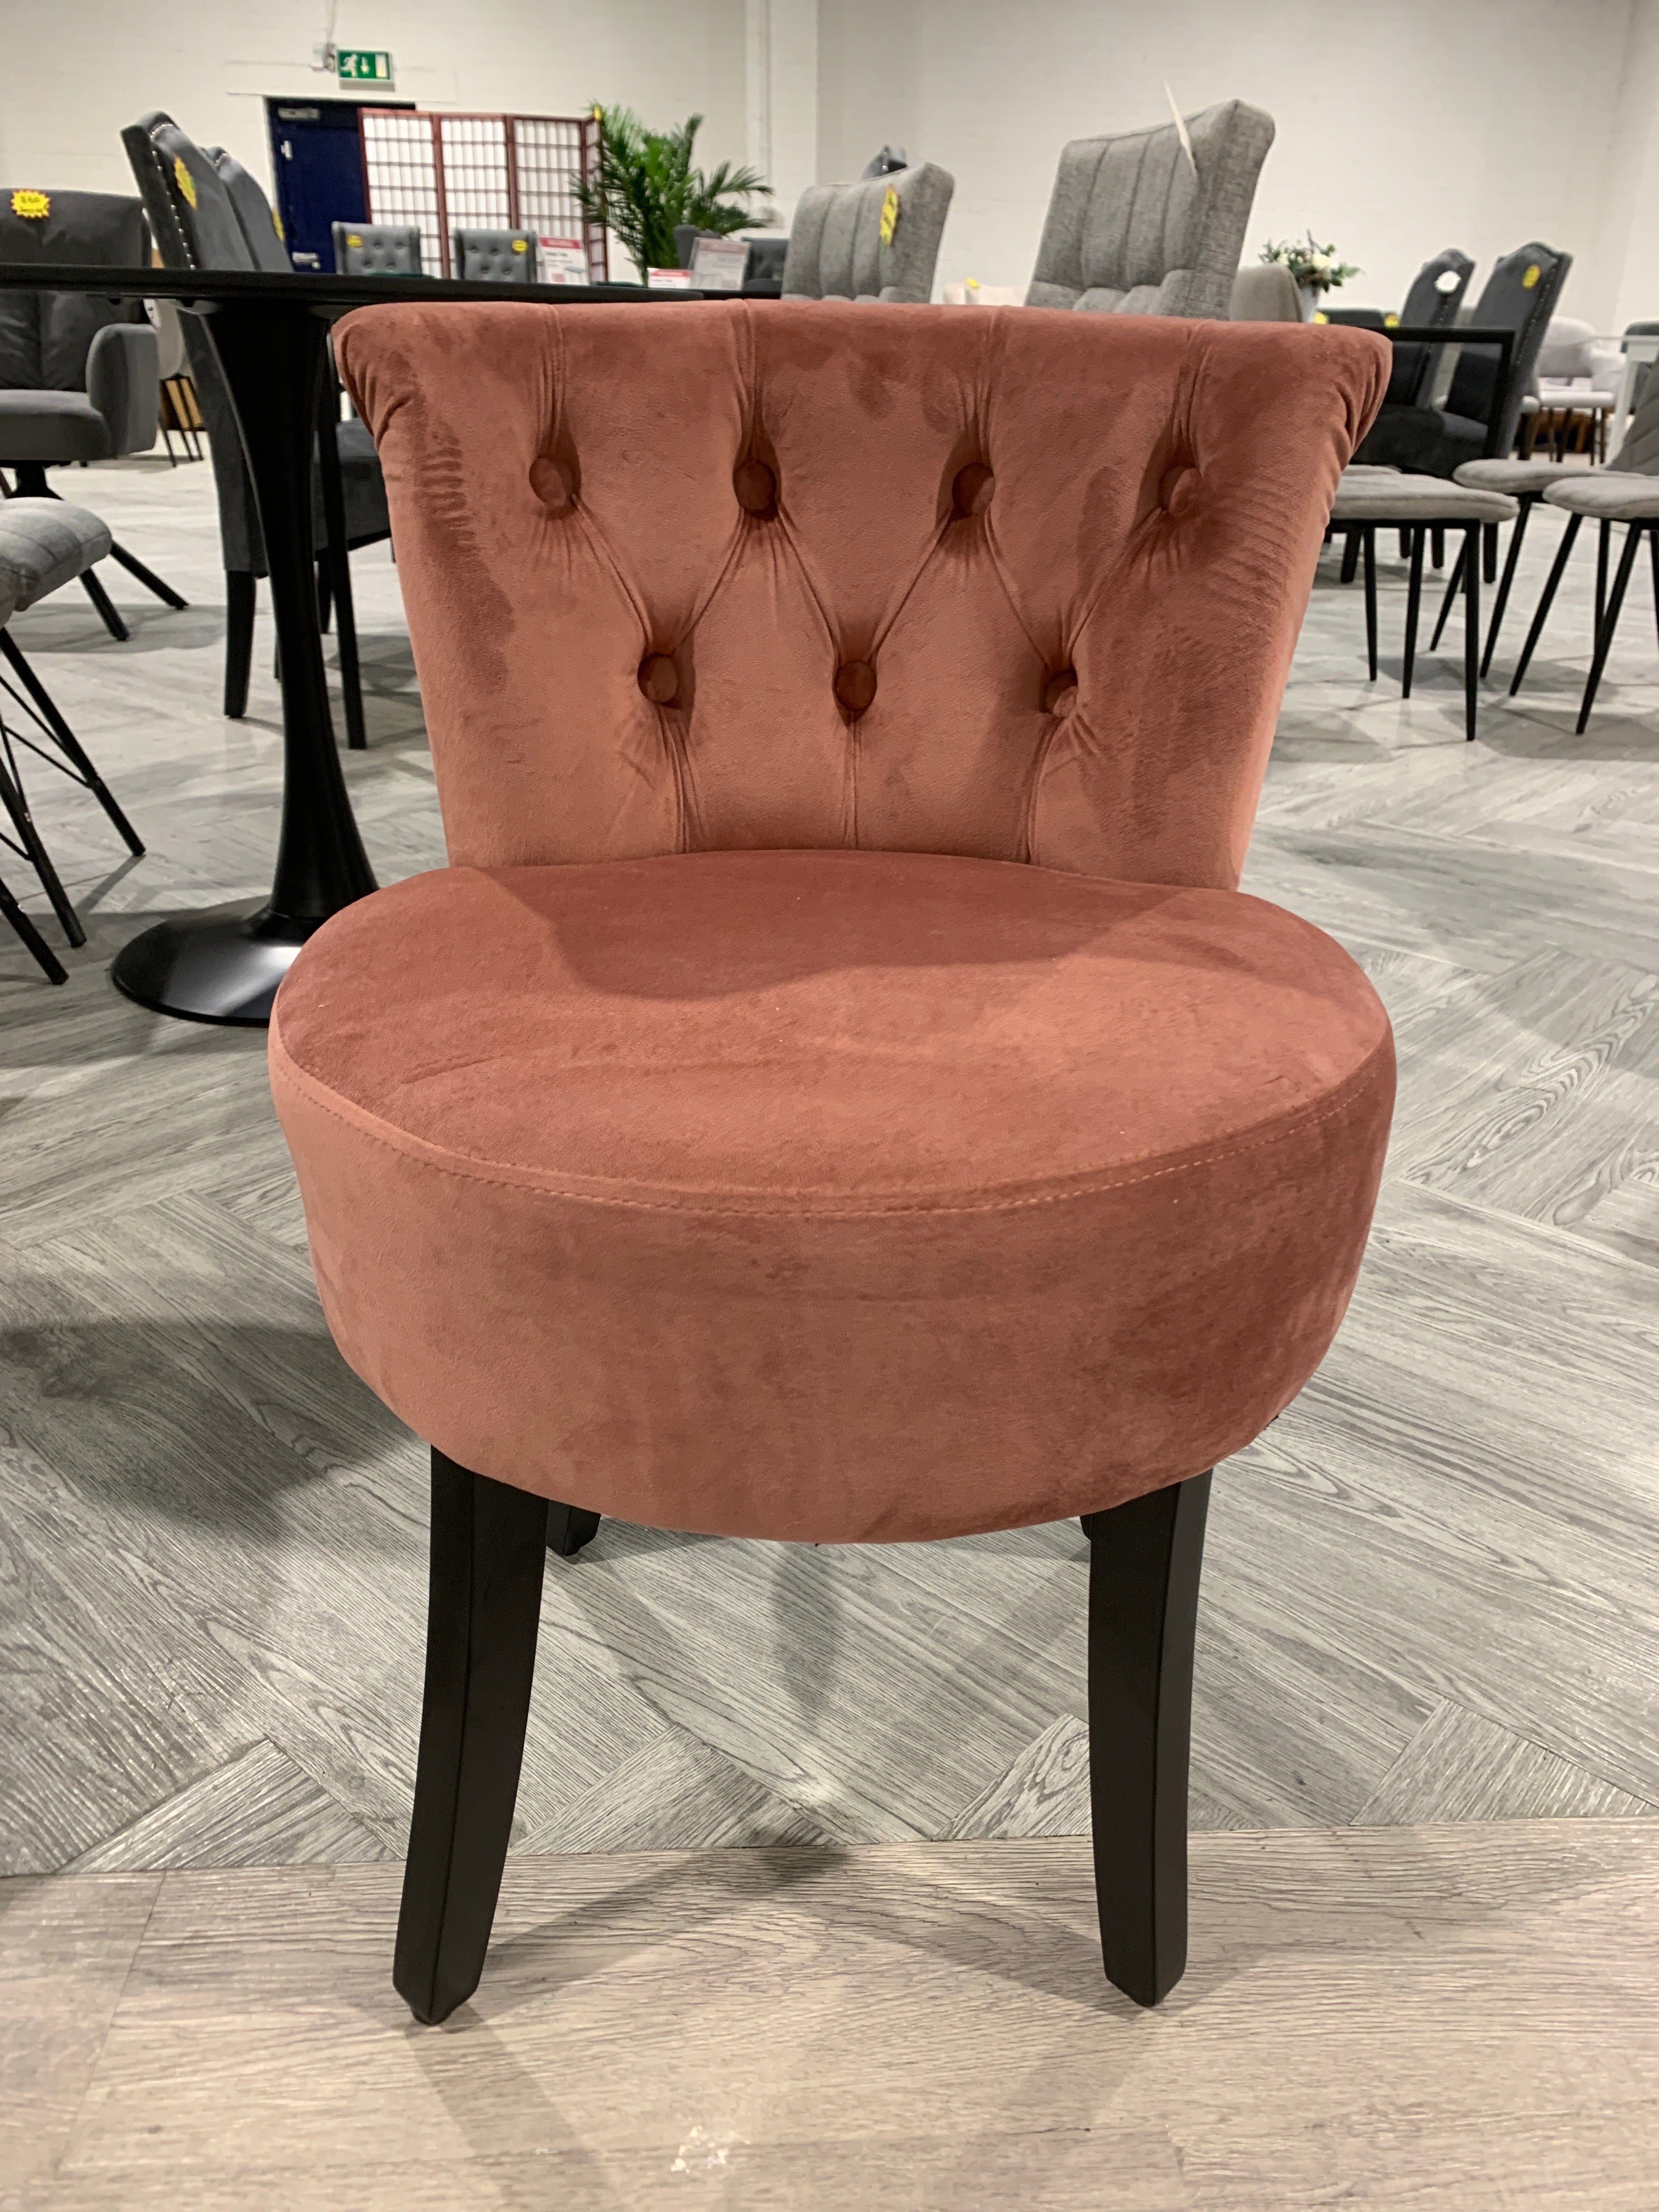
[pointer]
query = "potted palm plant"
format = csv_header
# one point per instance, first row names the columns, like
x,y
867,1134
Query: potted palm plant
x,y
646,185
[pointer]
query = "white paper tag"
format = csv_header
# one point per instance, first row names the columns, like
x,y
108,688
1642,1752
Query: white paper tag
x,y
718,264
562,261
670,280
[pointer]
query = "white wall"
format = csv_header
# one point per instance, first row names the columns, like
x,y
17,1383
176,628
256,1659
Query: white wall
x,y
76,71
1403,125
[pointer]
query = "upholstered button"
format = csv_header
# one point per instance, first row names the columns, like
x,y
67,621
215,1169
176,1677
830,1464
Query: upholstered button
x,y
1060,692
659,679
855,685
756,486
1179,488
973,489
554,484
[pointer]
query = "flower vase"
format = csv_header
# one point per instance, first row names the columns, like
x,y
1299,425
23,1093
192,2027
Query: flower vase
x,y
1311,297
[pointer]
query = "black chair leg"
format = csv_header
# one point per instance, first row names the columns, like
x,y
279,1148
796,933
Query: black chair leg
x,y
14,800
1145,1558
1438,541
46,707
241,594
1368,533
106,606
1603,543
1414,609
324,594
31,938
1454,586
1528,504
1653,547
147,577
1609,622
1471,630
1350,557
489,1548
1552,583
568,1527
1489,552
339,560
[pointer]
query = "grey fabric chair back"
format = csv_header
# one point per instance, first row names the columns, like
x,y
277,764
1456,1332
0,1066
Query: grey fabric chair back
x,y
376,249
1134,228
887,163
495,257
1643,369
1638,450
1265,292
45,336
1436,295
1520,296
1568,349
835,247
253,212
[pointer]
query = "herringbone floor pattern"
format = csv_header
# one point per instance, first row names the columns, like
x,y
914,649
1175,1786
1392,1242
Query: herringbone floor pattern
x,y
1433,1587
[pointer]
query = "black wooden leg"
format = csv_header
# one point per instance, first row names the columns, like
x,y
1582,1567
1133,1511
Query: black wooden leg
x,y
14,800
147,577
325,594
1558,570
1603,543
1454,586
1413,608
1489,553
1514,555
1350,557
568,1527
31,938
1605,628
241,591
46,707
1368,533
1471,628
489,1547
1438,541
1146,1559
1653,549
106,606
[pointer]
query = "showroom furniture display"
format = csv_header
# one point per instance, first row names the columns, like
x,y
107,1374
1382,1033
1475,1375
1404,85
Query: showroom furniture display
x,y
1370,498
1483,404
79,377
198,223
44,543
1432,302
1626,491
1574,390
836,1091
1137,225
876,239
269,344
376,249
494,257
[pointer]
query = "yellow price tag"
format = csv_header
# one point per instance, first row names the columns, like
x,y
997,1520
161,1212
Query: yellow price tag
x,y
1391,322
1319,316
1534,272
183,178
352,240
889,215
520,245
276,225
35,205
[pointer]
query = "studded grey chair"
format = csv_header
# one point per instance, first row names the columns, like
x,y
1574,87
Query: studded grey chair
x,y
495,257
44,543
79,378
836,248
376,249
1137,226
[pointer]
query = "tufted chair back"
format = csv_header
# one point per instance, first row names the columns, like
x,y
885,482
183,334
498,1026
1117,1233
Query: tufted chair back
x,y
376,249
714,575
1135,227
836,250
495,257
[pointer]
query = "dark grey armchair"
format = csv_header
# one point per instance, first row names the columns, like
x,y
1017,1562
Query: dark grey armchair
x,y
495,257
376,249
1137,226
79,378
224,221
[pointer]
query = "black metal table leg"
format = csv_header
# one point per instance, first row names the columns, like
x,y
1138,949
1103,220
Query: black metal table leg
x,y
224,964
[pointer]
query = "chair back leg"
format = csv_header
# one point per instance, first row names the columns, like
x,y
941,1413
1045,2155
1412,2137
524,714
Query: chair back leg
x,y
489,1548
1471,628
1558,570
31,938
241,594
1145,1558
1609,622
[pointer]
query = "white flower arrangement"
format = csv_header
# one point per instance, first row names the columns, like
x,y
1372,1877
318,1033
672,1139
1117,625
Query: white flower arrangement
x,y
1314,267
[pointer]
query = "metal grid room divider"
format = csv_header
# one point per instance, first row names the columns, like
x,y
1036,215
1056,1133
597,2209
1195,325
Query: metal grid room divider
x,y
444,173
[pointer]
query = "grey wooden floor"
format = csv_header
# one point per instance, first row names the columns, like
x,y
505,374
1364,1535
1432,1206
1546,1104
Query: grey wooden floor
x,y
1455,2019
1433,1588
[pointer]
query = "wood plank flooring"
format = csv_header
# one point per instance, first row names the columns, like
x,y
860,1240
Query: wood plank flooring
x,y
1433,1586
1450,2018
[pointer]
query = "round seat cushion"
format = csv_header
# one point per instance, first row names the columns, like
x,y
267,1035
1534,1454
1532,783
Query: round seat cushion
x,y
833,1195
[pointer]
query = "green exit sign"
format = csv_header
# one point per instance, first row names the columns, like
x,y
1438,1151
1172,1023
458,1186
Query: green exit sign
x,y
361,66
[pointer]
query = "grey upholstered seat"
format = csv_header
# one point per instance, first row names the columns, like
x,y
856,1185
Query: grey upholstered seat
x,y
44,543
1136,227
376,249
1391,495
495,257
1521,479
835,247
1607,495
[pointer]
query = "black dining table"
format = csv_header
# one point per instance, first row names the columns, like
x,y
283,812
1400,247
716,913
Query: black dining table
x,y
269,333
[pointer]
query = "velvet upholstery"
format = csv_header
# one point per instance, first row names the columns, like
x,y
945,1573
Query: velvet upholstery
x,y
836,1090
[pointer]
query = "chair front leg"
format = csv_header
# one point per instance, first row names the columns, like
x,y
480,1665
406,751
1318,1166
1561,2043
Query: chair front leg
x,y
489,1547
1145,1558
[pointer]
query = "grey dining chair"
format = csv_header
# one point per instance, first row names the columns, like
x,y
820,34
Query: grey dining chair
x,y
376,249
875,239
494,257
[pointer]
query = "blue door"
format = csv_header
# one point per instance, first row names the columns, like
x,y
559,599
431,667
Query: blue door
x,y
316,157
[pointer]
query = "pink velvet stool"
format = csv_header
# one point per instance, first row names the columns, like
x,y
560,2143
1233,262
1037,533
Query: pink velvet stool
x,y
836,1091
